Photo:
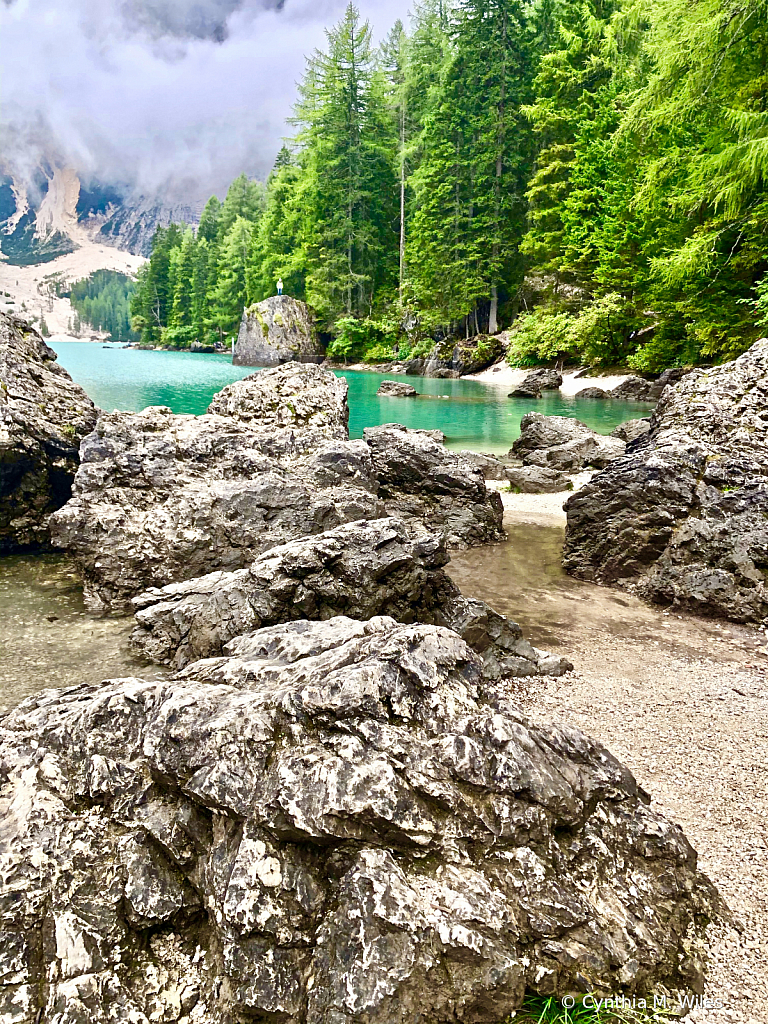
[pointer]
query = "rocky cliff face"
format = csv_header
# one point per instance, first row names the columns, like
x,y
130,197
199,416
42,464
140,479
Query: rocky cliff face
x,y
336,822
162,498
275,331
44,416
684,513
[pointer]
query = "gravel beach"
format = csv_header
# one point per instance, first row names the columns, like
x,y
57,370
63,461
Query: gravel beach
x,y
682,701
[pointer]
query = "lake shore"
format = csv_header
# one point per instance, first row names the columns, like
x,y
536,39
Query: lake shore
x,y
681,700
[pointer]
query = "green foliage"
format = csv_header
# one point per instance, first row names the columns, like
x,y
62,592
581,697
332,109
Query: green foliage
x,y
366,339
601,333
103,300
551,1010
616,150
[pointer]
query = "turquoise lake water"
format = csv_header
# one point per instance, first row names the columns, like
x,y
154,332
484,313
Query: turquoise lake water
x,y
472,415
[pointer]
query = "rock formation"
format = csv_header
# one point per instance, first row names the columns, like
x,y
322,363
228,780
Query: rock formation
x,y
594,393
44,416
523,479
634,389
684,513
278,330
537,480
336,823
563,444
360,569
161,498
397,389
537,381
451,358
421,482
630,430
639,390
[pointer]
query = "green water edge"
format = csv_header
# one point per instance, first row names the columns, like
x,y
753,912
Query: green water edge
x,y
472,415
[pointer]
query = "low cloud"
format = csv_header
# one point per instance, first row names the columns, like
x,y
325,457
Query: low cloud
x,y
166,95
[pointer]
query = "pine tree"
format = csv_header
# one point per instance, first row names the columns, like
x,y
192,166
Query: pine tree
x,y
471,179
349,175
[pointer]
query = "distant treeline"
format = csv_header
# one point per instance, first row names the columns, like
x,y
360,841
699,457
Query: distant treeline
x,y
592,173
103,301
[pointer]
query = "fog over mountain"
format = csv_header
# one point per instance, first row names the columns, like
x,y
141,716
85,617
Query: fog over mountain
x,y
156,96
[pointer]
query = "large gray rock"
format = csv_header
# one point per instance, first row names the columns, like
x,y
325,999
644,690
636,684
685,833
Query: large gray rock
x,y
684,513
161,498
302,398
421,481
537,480
451,358
361,570
563,444
336,823
397,389
634,389
543,379
278,330
630,430
596,394
44,416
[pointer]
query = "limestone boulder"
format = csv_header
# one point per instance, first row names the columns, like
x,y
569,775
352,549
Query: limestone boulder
x,y
44,416
563,444
543,379
161,498
278,330
361,570
596,394
397,389
295,397
420,481
336,821
684,514
538,480
630,430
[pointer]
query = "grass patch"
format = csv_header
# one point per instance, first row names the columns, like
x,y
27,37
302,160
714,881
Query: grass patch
x,y
540,1010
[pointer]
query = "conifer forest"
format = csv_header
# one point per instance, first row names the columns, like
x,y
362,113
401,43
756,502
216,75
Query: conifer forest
x,y
590,174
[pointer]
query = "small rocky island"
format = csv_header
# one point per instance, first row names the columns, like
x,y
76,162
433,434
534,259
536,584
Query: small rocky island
x,y
334,809
278,330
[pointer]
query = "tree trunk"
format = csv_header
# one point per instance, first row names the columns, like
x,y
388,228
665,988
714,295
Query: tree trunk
x,y
493,325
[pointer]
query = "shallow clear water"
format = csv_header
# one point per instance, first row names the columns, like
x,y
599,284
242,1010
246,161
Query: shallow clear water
x,y
47,639
472,415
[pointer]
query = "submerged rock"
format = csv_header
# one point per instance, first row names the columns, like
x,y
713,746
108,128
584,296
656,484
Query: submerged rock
x,y
44,416
563,444
684,513
278,330
397,389
336,822
361,570
161,498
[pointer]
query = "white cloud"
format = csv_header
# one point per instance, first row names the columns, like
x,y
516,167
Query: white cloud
x,y
142,91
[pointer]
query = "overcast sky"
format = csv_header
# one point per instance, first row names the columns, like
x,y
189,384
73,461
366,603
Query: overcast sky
x,y
188,92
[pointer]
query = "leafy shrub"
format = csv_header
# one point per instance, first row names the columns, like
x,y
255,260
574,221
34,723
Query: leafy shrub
x,y
368,339
601,333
